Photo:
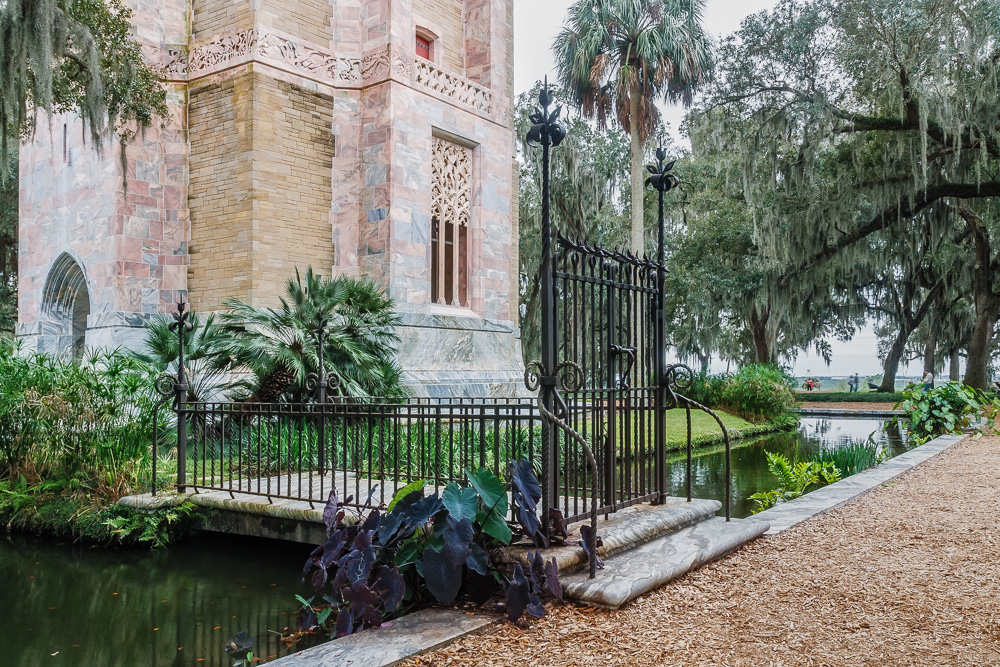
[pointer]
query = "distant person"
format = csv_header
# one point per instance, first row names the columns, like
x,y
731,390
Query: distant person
x,y
854,383
928,380
809,384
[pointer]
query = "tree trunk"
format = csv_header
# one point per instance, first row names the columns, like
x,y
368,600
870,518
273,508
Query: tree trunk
x,y
891,366
977,363
930,347
761,344
953,372
986,304
704,358
638,235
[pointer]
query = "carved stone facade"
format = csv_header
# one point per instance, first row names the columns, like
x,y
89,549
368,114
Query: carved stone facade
x,y
299,132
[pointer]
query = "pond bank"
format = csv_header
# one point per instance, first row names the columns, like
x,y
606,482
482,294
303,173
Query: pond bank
x,y
905,574
41,511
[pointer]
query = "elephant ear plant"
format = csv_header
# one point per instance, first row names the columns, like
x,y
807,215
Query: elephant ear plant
x,y
424,549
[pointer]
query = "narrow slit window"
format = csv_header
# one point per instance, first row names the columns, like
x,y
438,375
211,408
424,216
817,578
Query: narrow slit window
x,y
423,47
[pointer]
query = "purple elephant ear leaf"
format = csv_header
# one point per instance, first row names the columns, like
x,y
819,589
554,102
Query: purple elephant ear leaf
x,y
552,584
330,512
557,527
442,577
478,560
536,571
517,595
311,562
345,622
389,587
371,521
586,533
319,578
535,607
526,493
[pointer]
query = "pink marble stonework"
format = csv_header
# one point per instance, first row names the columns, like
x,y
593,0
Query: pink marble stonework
x,y
316,149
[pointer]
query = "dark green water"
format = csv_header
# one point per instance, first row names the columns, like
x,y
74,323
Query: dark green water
x,y
72,606
750,473
69,605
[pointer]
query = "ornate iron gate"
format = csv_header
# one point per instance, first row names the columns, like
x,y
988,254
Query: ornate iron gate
x,y
605,386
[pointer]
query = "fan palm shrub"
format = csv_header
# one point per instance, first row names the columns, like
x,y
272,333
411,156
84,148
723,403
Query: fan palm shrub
x,y
277,348
204,364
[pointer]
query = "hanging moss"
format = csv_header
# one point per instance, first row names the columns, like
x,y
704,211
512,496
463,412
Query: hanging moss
x,y
74,55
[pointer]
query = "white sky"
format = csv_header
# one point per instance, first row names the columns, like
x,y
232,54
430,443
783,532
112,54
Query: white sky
x,y
536,24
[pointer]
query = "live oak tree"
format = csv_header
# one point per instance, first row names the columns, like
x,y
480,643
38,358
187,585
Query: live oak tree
x,y
617,58
859,115
725,296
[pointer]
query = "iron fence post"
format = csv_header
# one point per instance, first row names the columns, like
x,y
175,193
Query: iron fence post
x,y
545,130
662,181
321,394
181,325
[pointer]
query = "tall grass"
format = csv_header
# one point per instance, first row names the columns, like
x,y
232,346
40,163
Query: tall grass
x,y
90,420
852,459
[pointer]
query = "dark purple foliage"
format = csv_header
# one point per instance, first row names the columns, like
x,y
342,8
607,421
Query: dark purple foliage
x,y
525,493
442,576
588,537
365,570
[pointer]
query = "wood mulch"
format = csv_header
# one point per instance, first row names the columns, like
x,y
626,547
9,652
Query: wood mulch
x,y
860,407
905,575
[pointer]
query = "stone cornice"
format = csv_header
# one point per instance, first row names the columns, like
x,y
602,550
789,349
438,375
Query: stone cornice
x,y
299,57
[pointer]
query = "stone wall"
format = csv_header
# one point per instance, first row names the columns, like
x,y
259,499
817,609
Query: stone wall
x,y
127,232
446,17
310,125
221,118
293,150
306,19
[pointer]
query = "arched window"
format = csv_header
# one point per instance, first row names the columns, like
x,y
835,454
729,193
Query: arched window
x,y
451,195
66,305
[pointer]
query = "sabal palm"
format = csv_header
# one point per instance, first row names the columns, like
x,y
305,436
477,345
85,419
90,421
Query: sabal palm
x,y
617,57
278,346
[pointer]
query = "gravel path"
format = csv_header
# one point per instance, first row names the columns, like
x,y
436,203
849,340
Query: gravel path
x,y
905,575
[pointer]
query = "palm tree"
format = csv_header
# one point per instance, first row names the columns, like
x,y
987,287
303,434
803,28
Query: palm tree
x,y
617,57
278,348
204,369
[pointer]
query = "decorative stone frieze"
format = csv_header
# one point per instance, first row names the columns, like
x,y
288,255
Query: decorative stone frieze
x,y
268,46
377,65
451,181
452,86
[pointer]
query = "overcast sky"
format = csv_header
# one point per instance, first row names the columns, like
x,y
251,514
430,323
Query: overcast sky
x,y
536,24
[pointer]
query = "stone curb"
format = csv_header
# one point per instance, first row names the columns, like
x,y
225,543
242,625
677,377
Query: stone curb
x,y
413,634
824,412
784,516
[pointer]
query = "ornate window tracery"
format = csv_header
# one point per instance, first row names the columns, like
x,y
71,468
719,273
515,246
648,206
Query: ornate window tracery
x,y
451,195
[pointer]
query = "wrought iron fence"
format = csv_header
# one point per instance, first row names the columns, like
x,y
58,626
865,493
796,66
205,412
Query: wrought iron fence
x,y
596,433
364,449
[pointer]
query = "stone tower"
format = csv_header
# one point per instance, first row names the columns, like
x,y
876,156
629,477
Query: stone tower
x,y
371,138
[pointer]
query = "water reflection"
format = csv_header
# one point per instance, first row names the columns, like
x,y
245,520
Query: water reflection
x,y
750,473
73,606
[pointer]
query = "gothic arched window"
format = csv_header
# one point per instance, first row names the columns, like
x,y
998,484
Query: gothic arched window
x,y
451,190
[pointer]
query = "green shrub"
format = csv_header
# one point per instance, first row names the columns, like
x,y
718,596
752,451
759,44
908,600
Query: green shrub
x,y
948,408
854,458
706,389
759,392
